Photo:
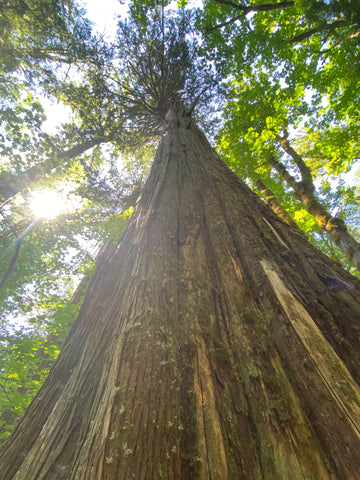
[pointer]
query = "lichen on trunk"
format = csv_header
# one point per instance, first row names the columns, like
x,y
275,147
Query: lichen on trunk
x,y
214,342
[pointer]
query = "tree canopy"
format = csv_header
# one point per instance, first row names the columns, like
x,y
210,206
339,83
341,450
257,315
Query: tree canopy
x,y
276,85
291,96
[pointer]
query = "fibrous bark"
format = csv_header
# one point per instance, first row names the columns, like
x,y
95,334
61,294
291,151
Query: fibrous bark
x,y
213,343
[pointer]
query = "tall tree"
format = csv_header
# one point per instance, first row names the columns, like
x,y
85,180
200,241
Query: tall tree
x,y
108,109
214,342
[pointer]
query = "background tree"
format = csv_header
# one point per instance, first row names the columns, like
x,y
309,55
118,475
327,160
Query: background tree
x,y
42,260
38,36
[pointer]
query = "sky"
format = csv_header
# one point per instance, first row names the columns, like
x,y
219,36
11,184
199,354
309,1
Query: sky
x,y
103,13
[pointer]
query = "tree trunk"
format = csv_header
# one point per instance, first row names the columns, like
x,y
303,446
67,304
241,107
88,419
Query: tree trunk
x,y
11,184
305,192
214,342
274,203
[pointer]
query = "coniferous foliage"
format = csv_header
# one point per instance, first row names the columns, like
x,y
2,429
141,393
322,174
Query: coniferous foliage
x,y
162,68
38,35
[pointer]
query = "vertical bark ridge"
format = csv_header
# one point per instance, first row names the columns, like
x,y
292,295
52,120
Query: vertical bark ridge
x,y
214,343
331,368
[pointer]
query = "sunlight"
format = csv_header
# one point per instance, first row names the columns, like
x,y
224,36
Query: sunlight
x,y
47,204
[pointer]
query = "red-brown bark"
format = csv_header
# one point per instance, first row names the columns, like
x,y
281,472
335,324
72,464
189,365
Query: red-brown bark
x,y
214,342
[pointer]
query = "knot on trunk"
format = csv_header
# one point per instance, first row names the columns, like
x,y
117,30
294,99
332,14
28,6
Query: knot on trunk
x,y
179,116
336,229
306,187
335,224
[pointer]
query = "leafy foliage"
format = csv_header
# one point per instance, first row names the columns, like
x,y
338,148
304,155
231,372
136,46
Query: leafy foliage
x,y
285,64
25,359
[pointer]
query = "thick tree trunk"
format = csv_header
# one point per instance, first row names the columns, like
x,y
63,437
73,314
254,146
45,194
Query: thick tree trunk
x,y
214,342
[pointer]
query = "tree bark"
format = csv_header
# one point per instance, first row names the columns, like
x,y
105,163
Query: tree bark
x,y
274,203
214,342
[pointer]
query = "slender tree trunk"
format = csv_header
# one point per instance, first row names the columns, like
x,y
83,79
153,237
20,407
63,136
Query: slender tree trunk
x,y
305,192
274,203
11,184
214,342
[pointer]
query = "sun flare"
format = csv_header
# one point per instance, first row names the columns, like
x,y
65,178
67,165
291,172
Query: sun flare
x,y
46,204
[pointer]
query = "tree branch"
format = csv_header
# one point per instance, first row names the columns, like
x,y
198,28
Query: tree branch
x,y
305,192
256,8
303,36
11,267
245,9
305,171
11,184
309,33
274,203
